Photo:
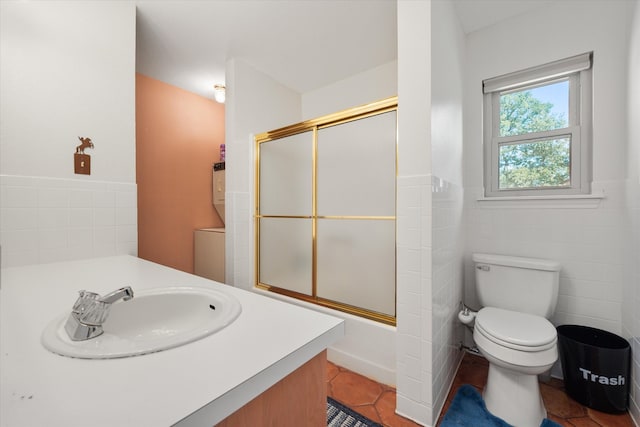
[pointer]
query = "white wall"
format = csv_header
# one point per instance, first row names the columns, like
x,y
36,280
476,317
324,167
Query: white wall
x,y
447,81
414,398
588,242
430,201
631,290
67,69
371,85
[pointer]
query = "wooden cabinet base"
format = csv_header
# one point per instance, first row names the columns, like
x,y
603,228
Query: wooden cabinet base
x,y
298,399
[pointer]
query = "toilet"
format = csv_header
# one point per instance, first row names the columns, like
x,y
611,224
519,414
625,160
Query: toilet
x,y
518,296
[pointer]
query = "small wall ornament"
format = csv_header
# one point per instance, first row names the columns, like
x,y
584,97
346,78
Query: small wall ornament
x,y
81,161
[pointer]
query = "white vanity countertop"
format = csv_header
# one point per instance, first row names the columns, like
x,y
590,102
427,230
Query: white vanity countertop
x,y
198,384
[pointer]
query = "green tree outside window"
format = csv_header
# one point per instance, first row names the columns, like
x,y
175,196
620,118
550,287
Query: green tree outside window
x,y
539,163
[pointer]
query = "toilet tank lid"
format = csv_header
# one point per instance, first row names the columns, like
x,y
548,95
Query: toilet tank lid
x,y
514,261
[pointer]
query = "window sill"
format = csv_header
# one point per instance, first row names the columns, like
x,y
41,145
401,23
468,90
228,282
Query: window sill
x,y
578,201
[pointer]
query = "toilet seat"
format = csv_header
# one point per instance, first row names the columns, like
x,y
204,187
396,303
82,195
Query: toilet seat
x,y
518,331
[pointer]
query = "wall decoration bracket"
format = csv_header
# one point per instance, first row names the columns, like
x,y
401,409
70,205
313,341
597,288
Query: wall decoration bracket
x,y
81,161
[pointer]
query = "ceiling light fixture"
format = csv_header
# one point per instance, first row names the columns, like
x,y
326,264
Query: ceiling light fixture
x,y
219,93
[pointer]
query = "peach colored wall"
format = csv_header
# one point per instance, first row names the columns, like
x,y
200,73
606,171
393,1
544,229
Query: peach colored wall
x,y
178,135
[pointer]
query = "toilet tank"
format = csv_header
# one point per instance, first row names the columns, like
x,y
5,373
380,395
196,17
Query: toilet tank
x,y
527,285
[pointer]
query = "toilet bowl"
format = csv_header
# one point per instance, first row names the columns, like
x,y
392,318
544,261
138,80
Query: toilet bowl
x,y
518,346
518,295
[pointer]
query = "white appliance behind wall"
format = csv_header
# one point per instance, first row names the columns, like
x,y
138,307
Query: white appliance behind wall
x,y
209,253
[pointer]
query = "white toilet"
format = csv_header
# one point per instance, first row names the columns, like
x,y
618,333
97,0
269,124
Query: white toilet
x,y
518,295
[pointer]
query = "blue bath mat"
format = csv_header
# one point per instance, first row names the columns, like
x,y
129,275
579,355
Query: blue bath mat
x,y
468,410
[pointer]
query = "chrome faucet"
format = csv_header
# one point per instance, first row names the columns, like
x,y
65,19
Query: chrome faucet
x,y
125,294
90,311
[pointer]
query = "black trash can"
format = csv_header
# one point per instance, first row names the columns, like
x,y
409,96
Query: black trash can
x,y
596,366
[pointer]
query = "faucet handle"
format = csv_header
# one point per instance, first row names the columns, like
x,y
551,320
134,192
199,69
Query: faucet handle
x,y
95,313
90,311
85,299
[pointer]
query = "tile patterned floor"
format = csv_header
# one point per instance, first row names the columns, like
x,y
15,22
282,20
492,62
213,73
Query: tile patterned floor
x,y
367,397
377,401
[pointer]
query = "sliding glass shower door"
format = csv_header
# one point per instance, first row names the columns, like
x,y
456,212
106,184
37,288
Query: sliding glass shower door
x,y
325,210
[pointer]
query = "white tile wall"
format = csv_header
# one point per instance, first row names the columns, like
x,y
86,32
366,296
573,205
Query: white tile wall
x,y
414,337
588,242
48,219
631,294
631,290
447,265
429,245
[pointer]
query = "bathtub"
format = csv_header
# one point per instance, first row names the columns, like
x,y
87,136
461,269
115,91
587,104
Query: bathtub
x,y
368,347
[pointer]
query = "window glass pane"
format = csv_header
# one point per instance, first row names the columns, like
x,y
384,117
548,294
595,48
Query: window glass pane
x,y
535,109
543,163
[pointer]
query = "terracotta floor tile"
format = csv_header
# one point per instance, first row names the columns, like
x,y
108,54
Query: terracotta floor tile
x,y
473,371
583,422
561,421
332,371
386,407
355,390
474,359
610,420
556,383
559,404
368,411
447,403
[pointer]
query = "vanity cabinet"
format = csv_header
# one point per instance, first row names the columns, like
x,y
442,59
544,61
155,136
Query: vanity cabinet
x,y
299,398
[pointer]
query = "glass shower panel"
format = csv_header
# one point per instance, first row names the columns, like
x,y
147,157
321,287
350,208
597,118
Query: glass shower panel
x,y
357,167
285,254
286,175
356,263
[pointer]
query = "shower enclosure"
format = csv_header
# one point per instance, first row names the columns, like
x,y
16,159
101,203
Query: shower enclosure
x,y
326,210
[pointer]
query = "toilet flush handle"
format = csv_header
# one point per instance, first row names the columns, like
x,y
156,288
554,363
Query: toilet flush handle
x,y
483,267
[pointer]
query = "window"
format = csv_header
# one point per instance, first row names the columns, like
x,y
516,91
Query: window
x,y
537,130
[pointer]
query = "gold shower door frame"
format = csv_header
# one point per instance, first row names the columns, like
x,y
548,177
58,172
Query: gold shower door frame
x,y
346,116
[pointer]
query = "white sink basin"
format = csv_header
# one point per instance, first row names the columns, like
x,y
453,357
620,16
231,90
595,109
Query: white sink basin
x,y
154,320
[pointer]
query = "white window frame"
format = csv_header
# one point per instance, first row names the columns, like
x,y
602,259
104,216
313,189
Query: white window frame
x,y
577,70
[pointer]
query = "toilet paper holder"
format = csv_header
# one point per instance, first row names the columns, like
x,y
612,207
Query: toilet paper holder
x,y
466,315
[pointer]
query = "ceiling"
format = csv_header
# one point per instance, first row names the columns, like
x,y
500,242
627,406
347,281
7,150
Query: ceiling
x,y
303,44
477,14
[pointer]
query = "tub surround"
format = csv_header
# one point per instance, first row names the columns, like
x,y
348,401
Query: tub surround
x,y
199,384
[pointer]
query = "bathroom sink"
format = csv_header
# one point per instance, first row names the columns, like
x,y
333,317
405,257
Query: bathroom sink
x,y
154,320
